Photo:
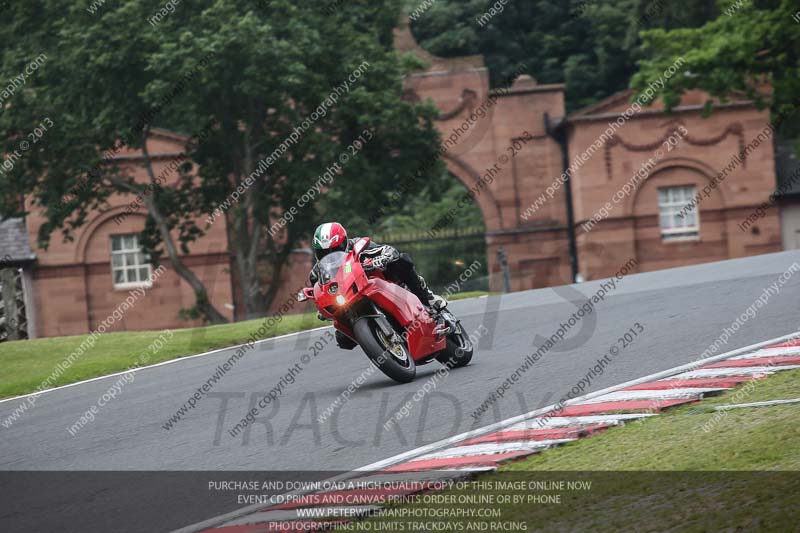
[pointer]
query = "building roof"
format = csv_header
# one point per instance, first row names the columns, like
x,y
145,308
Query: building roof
x,y
691,101
14,246
787,169
604,105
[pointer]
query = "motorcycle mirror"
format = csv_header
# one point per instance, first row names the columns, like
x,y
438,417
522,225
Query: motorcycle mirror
x,y
306,294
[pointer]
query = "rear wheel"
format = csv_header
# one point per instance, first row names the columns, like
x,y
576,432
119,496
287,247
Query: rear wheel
x,y
458,350
389,354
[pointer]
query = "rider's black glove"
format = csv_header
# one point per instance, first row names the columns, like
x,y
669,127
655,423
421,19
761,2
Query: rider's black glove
x,y
380,262
372,263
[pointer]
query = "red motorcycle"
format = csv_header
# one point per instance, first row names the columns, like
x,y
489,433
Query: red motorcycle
x,y
389,322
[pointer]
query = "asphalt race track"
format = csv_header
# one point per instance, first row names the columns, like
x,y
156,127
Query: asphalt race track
x,y
682,312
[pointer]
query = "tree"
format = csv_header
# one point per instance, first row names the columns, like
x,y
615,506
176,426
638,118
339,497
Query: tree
x,y
248,73
748,43
590,45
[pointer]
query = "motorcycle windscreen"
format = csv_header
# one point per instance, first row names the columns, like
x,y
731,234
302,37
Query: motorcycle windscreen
x,y
330,265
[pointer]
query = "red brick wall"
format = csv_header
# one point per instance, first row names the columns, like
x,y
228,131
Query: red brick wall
x,y
73,288
632,228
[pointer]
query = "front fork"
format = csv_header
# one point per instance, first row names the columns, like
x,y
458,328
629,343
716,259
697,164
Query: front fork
x,y
368,309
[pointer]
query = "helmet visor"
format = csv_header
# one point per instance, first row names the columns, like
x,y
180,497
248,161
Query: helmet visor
x,y
320,253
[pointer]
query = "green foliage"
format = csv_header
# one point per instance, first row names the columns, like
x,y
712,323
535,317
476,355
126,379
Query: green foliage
x,y
247,72
441,260
748,43
590,45
424,210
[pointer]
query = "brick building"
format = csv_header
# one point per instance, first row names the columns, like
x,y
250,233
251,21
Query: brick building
x,y
691,182
639,177
78,284
627,199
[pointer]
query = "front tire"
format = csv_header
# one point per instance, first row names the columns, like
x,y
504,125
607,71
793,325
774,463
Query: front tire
x,y
393,359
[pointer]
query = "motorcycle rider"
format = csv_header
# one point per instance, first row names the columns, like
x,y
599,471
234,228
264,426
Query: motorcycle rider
x,y
332,237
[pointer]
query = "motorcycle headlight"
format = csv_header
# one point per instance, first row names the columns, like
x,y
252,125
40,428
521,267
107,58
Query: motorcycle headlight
x,y
333,289
340,300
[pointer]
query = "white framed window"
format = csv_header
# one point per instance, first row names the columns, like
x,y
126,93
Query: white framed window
x,y
677,213
129,265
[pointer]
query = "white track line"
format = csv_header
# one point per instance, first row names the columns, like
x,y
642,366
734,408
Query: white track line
x,y
163,363
771,352
734,371
432,476
568,421
492,448
756,404
469,469
492,428
665,394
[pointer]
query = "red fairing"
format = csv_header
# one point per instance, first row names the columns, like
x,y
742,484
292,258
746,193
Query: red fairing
x,y
353,284
406,308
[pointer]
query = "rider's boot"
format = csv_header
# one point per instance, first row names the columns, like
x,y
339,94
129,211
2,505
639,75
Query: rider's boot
x,y
434,301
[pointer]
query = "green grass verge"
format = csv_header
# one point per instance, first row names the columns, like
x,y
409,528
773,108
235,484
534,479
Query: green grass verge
x,y
465,295
665,473
25,364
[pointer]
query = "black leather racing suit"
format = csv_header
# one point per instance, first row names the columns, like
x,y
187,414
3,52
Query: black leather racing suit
x,y
395,266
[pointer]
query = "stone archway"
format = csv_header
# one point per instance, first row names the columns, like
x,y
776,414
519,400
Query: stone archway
x,y
495,142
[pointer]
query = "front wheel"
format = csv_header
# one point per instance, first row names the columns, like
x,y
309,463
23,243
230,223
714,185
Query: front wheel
x,y
458,350
390,355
